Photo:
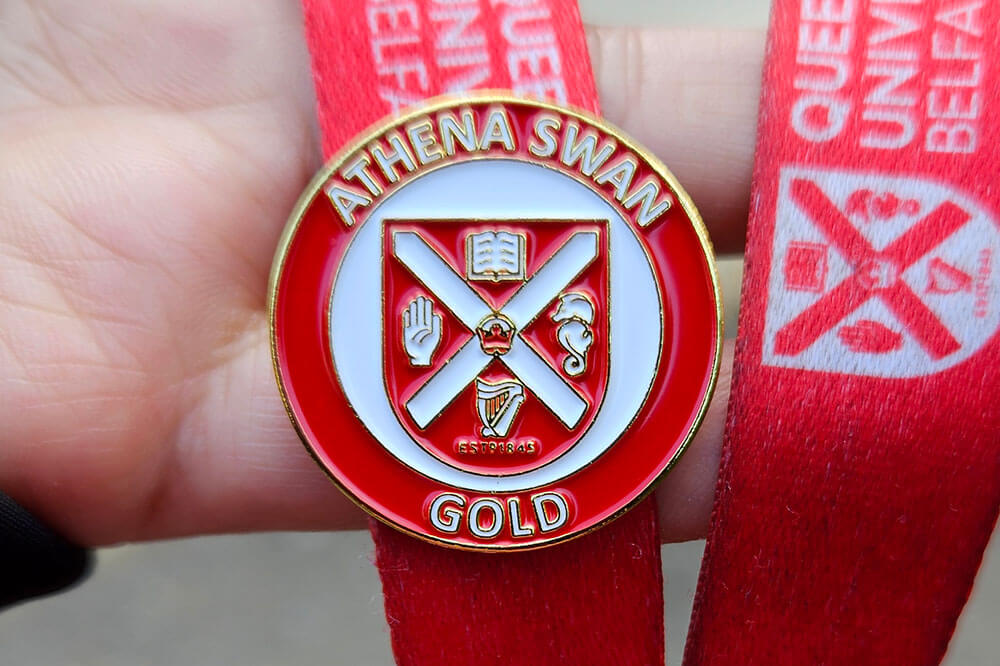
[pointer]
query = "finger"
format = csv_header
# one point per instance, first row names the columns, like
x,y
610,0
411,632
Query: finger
x,y
428,312
684,498
239,460
257,475
406,319
690,96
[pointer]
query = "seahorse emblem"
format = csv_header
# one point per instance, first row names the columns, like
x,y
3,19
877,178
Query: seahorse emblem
x,y
575,315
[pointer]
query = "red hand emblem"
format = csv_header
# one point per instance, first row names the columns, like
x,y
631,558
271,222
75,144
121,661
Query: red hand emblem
x,y
870,336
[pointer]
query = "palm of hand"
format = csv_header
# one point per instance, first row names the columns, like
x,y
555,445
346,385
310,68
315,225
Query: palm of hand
x,y
150,154
143,185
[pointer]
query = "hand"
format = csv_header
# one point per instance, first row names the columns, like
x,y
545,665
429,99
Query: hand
x,y
151,153
421,331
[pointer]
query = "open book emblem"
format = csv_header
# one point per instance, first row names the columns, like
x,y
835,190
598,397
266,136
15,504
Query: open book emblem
x,y
494,255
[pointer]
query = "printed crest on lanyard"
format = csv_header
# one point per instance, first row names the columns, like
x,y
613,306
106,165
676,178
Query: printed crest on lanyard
x,y
495,322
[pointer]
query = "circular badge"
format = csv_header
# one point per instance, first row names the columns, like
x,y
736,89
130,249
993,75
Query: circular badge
x,y
495,322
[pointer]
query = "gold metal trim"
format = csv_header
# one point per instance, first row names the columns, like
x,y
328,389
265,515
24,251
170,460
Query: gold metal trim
x,y
442,103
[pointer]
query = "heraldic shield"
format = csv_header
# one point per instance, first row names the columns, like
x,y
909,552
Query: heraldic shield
x,y
496,336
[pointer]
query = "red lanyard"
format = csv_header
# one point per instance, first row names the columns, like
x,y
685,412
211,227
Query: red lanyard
x,y
597,599
861,471
372,58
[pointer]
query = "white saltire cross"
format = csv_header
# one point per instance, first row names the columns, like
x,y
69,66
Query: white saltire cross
x,y
470,308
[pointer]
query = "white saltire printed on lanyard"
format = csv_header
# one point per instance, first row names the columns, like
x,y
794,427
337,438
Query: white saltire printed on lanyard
x,y
860,476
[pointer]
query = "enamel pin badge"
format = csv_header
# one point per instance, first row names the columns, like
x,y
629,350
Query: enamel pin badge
x,y
495,322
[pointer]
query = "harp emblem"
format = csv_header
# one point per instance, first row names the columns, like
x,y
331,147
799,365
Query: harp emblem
x,y
497,404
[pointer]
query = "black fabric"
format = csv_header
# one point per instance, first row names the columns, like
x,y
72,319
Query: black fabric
x,y
34,560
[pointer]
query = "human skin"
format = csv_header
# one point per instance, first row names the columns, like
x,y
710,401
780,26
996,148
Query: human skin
x,y
150,152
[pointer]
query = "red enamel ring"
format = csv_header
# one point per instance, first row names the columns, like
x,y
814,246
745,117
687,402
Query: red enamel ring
x,y
495,322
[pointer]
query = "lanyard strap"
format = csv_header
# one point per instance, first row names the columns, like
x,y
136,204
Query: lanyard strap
x,y
860,476
371,58
595,600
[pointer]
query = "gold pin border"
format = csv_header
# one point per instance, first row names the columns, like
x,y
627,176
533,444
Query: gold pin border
x,y
441,103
